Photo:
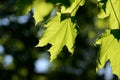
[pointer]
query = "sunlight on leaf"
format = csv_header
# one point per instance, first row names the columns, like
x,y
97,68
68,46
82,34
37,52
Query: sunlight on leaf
x,y
75,6
41,9
110,50
59,33
113,12
110,40
61,30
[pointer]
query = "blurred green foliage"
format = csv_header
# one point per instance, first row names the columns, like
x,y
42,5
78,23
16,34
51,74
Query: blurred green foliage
x,y
18,39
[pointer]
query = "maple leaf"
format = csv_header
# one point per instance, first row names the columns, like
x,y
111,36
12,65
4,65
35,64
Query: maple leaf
x,y
59,33
113,12
61,30
110,40
110,50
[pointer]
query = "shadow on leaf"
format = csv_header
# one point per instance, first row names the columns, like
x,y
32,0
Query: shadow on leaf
x,y
116,33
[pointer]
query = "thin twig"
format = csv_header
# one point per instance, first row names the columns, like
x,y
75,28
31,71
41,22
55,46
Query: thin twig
x,y
115,13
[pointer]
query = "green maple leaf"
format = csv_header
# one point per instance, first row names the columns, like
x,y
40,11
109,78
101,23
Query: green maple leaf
x,y
61,30
110,50
59,33
110,41
113,13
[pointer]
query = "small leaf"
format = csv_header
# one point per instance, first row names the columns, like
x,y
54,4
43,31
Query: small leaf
x,y
41,8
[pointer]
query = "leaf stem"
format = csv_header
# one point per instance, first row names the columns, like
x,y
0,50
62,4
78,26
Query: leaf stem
x,y
115,13
75,7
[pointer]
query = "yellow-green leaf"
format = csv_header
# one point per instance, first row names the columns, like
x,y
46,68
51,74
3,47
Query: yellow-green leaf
x,y
110,41
59,33
61,30
41,9
110,50
73,8
113,12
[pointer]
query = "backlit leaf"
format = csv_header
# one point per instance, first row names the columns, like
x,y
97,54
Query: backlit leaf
x,y
59,33
110,50
113,12
41,9
61,30
110,40
73,8
71,11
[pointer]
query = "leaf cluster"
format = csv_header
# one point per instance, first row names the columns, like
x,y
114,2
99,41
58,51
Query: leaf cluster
x,y
63,32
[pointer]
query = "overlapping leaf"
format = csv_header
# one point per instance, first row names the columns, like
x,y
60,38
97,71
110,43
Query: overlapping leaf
x,y
113,12
110,50
110,44
73,8
41,8
61,32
